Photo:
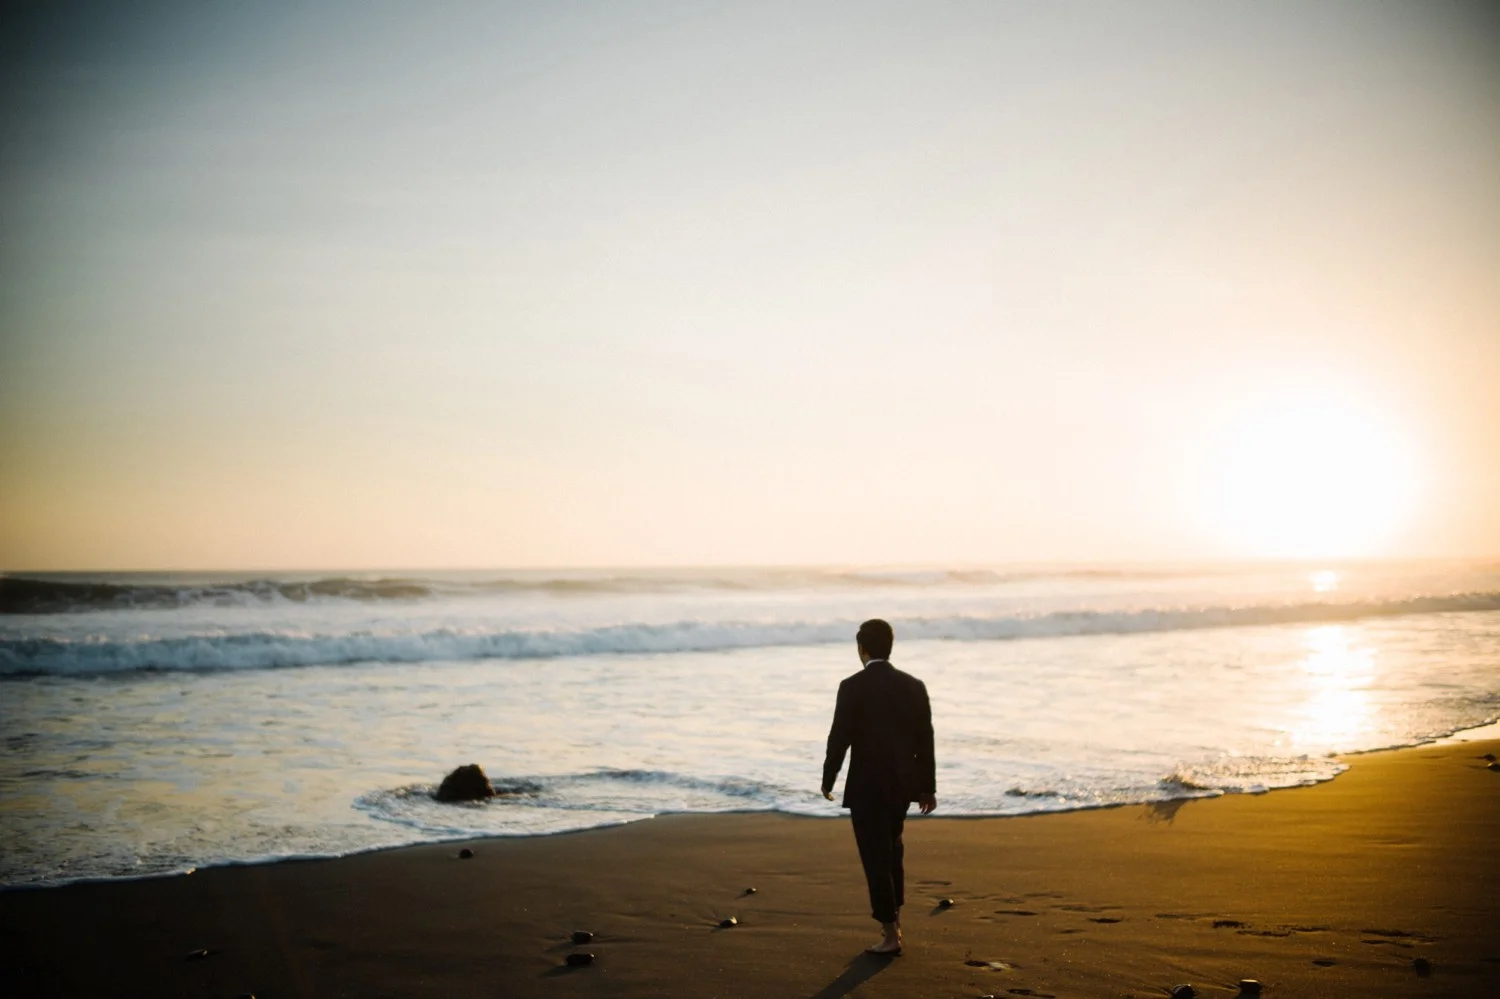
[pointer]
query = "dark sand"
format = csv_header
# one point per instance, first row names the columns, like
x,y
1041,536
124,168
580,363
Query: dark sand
x,y
1324,891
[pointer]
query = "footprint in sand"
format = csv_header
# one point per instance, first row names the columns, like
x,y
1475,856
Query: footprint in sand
x,y
1398,937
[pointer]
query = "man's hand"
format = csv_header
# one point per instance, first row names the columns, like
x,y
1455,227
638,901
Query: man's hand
x,y
827,793
927,803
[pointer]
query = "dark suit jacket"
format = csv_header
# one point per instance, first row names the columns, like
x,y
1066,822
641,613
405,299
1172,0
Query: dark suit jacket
x,y
884,715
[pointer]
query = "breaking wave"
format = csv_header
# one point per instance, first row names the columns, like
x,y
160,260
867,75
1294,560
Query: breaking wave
x,y
271,649
62,594
22,595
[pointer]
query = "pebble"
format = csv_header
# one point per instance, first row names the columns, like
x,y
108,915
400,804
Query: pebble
x,y
1488,756
465,854
945,903
1183,992
749,891
1249,987
582,936
1421,966
725,924
582,959
197,955
1493,766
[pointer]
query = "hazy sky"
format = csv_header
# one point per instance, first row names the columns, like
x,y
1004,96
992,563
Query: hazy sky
x,y
355,284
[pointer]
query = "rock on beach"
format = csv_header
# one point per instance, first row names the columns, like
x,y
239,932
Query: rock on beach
x,y
465,784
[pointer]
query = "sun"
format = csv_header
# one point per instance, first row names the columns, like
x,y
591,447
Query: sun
x,y
1313,477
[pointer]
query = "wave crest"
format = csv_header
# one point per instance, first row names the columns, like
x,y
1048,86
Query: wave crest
x,y
23,595
270,649
61,594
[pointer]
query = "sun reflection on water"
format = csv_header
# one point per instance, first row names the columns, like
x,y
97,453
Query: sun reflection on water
x,y
1338,675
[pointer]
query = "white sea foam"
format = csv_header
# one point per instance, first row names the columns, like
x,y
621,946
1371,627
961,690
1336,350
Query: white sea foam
x,y
91,653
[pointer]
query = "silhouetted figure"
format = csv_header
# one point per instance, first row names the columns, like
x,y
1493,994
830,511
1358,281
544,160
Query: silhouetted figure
x,y
884,715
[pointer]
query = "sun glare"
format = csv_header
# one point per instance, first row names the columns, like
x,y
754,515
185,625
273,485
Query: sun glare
x,y
1324,580
1313,478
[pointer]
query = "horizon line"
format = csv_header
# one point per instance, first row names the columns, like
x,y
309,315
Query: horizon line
x,y
1202,561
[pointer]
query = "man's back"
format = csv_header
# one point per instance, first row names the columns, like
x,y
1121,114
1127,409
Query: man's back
x,y
884,716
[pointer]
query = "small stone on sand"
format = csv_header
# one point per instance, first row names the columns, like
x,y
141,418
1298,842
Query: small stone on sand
x,y
1421,966
725,924
945,903
582,959
1183,992
582,936
1494,766
465,854
1249,987
196,955
1488,756
749,891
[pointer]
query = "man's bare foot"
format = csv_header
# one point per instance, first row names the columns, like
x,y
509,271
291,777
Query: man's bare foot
x,y
890,941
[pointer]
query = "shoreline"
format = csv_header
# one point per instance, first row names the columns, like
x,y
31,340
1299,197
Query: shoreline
x,y
1487,731
1331,889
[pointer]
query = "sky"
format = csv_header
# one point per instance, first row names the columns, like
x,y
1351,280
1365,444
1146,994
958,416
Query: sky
x,y
383,285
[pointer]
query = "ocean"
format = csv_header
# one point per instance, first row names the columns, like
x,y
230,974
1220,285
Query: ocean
x,y
158,723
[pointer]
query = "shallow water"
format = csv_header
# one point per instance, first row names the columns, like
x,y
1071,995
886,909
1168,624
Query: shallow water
x,y
155,724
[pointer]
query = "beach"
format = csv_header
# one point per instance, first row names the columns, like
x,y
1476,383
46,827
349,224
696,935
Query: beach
x,y
1331,890
607,403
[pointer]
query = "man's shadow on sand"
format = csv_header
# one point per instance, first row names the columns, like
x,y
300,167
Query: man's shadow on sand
x,y
860,970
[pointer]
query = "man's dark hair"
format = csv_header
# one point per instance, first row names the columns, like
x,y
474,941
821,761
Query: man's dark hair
x,y
876,638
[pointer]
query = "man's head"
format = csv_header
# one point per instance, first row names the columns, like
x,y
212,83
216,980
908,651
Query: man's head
x,y
875,639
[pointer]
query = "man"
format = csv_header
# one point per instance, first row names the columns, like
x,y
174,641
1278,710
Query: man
x,y
884,715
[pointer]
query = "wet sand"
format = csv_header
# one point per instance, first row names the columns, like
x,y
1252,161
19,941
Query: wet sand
x,y
1333,890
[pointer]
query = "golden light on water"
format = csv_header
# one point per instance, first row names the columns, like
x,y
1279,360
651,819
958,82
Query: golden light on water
x,y
1338,673
1314,477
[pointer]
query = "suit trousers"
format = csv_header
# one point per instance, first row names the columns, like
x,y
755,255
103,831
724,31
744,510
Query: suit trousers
x,y
877,832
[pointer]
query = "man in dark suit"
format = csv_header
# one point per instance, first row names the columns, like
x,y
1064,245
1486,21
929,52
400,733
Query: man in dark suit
x,y
884,715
